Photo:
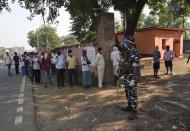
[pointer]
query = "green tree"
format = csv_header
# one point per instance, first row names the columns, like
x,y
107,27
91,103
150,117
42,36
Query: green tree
x,y
83,18
173,13
69,40
38,38
187,31
4,4
150,21
83,12
118,27
141,21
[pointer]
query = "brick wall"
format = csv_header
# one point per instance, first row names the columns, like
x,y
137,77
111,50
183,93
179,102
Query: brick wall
x,y
106,39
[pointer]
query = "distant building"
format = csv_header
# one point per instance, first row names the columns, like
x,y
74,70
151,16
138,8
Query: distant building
x,y
19,50
186,46
2,49
11,51
2,52
147,38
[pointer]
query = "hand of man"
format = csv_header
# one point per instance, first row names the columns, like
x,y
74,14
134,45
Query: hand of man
x,y
132,83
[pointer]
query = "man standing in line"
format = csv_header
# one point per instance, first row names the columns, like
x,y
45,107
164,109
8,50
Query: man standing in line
x,y
86,79
72,68
115,58
46,67
131,65
168,57
156,61
100,64
30,66
36,68
8,62
60,65
22,65
16,61
26,63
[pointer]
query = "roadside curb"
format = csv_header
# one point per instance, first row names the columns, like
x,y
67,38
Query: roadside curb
x,y
39,119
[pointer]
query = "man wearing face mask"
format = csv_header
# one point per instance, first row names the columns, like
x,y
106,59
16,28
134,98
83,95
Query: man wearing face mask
x,y
36,68
100,65
60,69
72,68
46,67
130,71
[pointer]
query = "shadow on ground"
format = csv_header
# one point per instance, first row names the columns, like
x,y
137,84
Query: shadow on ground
x,y
164,105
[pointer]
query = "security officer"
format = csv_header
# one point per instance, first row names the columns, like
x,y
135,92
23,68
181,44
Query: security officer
x,y
131,64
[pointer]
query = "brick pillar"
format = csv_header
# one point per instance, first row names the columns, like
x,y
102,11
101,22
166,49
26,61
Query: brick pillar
x,y
106,40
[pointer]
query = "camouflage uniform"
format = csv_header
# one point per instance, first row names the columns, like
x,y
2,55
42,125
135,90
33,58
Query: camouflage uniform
x,y
131,60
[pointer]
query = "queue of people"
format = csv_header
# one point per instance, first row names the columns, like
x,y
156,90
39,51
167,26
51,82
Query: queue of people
x,y
36,65
39,65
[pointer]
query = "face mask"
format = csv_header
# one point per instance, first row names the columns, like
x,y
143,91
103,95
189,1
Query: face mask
x,y
35,59
45,55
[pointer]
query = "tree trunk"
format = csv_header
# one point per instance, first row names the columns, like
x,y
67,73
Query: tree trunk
x,y
133,18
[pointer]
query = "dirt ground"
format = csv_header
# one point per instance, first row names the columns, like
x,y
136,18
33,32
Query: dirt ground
x,y
163,105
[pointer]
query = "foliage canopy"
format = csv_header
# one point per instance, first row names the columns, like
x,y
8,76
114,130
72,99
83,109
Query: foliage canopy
x,y
83,12
37,38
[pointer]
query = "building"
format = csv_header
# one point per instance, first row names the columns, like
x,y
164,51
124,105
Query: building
x,y
19,50
147,38
186,46
12,50
2,52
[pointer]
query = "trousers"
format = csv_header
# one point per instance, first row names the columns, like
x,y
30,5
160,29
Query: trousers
x,y
100,77
131,93
72,73
9,69
17,68
60,77
37,75
47,76
86,79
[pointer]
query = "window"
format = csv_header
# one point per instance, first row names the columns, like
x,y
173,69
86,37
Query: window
x,y
163,44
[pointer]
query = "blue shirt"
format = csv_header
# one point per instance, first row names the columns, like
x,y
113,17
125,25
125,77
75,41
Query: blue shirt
x,y
60,62
156,56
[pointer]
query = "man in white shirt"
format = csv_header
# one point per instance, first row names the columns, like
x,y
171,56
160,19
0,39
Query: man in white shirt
x,y
100,64
86,80
115,58
168,57
36,68
60,65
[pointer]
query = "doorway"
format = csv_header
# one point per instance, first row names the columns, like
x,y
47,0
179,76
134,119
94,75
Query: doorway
x,y
176,47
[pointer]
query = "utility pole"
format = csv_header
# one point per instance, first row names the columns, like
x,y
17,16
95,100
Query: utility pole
x,y
37,44
45,31
38,48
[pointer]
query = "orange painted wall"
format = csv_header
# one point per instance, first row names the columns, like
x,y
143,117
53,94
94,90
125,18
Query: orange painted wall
x,y
170,36
146,40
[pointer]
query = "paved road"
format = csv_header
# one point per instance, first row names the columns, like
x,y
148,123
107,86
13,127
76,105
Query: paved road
x,y
16,105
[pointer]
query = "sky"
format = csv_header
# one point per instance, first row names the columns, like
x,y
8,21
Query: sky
x,y
14,26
